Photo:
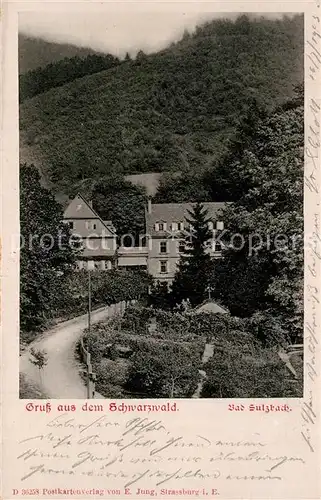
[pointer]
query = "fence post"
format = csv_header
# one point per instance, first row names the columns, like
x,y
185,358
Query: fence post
x,y
89,370
115,308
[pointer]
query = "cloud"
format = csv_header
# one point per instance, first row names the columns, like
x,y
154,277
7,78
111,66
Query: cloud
x,y
115,32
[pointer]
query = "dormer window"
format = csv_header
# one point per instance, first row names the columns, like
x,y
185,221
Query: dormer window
x,y
160,226
176,226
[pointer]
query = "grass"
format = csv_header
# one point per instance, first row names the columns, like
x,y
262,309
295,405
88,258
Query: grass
x,y
27,390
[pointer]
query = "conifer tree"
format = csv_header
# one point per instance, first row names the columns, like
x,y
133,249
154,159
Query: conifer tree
x,y
190,281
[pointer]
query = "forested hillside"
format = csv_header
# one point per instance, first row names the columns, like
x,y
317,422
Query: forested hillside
x,y
36,52
173,111
63,71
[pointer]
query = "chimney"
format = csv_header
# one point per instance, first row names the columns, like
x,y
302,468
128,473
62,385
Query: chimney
x,y
149,206
90,203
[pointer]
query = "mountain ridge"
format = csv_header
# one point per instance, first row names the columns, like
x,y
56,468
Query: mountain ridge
x,y
176,110
35,52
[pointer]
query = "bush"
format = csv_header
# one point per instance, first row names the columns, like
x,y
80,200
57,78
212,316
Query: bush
x,y
247,371
164,370
164,362
154,368
110,287
137,319
177,322
111,377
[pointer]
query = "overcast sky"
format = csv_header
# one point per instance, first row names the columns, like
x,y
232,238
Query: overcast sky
x,y
115,32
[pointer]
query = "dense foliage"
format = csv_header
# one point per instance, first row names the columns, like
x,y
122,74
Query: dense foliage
x,y
212,114
147,365
50,287
262,269
36,52
191,279
235,371
164,370
110,287
184,187
47,257
172,111
119,201
58,73
152,353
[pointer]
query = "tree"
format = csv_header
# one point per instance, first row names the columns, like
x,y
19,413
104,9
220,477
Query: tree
x,y
110,287
226,181
65,70
185,187
262,269
47,256
159,296
191,278
141,56
175,112
123,203
39,359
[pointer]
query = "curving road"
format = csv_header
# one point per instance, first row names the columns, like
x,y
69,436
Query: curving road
x,y
60,377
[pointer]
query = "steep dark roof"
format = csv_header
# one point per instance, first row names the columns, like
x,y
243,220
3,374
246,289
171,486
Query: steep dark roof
x,y
79,207
178,212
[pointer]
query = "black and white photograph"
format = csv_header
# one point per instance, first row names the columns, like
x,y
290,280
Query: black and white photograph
x,y
161,205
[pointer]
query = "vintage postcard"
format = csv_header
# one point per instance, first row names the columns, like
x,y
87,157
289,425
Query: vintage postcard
x,y
161,250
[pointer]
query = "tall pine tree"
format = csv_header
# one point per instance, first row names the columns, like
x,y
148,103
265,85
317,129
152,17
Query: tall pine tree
x,y
190,281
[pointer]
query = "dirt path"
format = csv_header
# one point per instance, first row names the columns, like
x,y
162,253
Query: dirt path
x,y
60,377
207,354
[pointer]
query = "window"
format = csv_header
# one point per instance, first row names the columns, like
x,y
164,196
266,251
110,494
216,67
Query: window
x,y
71,224
210,225
176,226
160,226
163,266
181,246
217,246
91,225
163,247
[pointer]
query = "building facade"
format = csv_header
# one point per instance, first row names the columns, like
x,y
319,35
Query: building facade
x,y
161,246
166,227
97,238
